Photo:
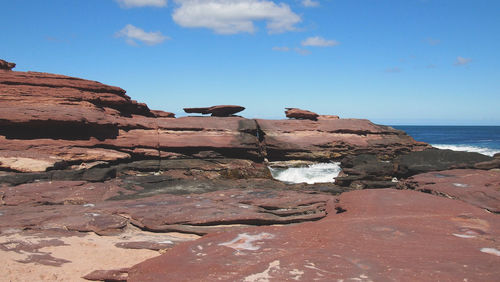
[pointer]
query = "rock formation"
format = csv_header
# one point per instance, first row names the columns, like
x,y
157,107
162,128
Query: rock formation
x,y
80,158
217,111
380,235
4,65
300,114
332,139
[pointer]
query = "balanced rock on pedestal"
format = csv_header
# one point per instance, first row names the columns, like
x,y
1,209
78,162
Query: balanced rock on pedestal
x,y
300,114
217,111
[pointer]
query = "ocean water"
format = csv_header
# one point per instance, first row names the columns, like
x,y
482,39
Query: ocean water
x,y
315,173
480,139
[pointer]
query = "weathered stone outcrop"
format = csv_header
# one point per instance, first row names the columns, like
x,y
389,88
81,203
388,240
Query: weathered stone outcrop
x,y
217,111
437,160
162,114
196,207
79,158
4,65
53,122
300,114
480,188
379,235
332,139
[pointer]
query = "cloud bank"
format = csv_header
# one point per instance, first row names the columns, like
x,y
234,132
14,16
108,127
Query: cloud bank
x,y
235,16
133,34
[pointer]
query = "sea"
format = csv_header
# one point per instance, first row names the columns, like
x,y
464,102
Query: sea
x,y
480,139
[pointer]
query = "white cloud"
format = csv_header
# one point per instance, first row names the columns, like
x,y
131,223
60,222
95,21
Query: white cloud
x,y
319,42
141,3
462,61
310,3
235,16
281,49
132,33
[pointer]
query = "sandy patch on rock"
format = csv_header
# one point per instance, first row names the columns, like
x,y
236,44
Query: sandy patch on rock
x,y
77,256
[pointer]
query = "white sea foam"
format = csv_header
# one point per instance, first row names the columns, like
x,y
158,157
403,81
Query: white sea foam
x,y
467,148
315,173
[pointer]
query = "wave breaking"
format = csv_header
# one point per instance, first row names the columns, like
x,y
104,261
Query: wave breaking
x,y
314,173
468,148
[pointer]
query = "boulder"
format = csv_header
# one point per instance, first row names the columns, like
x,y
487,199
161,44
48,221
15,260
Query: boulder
x,y
300,114
370,235
217,111
162,114
4,65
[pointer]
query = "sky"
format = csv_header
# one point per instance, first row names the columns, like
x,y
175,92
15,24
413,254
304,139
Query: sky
x,y
427,62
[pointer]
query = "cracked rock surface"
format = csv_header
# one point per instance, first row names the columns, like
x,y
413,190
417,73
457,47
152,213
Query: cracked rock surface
x,y
381,235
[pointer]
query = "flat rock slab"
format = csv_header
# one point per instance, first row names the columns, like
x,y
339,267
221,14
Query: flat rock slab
x,y
60,193
383,235
107,208
480,188
220,210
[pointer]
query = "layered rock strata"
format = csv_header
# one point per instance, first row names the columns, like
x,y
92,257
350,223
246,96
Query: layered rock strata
x,y
380,235
53,122
80,158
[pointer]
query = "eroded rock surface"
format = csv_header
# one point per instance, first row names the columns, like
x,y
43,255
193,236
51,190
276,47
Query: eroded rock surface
x,y
300,114
381,235
182,206
333,139
480,188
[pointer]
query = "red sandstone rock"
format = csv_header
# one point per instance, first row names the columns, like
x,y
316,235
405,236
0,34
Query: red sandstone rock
x,y
300,114
214,211
216,111
52,121
382,235
4,65
108,275
162,114
332,139
495,163
60,193
327,117
477,187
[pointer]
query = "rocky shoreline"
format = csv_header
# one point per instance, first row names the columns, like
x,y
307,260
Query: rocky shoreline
x,y
84,167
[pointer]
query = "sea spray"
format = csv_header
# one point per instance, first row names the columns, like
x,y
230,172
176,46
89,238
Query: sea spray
x,y
313,173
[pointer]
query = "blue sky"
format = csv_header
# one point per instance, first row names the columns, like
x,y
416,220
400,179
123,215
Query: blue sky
x,y
391,61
